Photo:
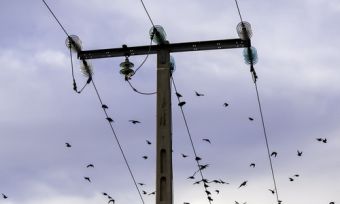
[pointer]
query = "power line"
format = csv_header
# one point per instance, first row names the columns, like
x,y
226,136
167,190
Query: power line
x,y
238,9
135,90
147,13
55,17
190,137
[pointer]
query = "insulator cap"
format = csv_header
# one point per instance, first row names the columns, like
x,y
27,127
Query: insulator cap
x,y
244,30
250,55
158,34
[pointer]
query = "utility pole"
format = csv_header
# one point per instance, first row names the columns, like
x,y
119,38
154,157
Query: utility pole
x,y
164,173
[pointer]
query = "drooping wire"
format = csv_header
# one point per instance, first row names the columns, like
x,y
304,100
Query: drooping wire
x,y
146,57
266,139
135,90
55,17
119,145
147,13
190,138
90,79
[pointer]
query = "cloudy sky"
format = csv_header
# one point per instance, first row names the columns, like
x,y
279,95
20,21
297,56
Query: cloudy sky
x,y
297,43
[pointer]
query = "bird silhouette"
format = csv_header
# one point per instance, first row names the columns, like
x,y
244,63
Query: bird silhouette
x,y
198,158
109,119
217,191
296,175
141,184
244,183
148,142
319,139
105,106
208,192
181,103
111,200
250,118
201,167
210,199
225,104
206,140
134,121
299,153
273,154
87,178
68,144
90,165
178,95
152,193
252,165
324,140
145,157
272,191
291,179
198,94
184,156
105,194
144,192
191,177
4,196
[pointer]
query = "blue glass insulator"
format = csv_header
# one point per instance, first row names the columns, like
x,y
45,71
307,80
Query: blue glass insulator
x,y
250,55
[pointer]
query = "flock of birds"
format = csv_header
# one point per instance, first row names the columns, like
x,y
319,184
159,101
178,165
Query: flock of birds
x,y
201,167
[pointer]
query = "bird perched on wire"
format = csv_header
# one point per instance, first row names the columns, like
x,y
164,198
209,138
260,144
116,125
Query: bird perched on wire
x,y
206,140
109,119
272,191
244,183
273,154
87,178
105,106
182,103
178,95
198,94
250,118
134,121
141,184
225,104
68,144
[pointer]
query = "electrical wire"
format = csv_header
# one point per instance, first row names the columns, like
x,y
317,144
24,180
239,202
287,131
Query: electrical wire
x,y
146,57
238,9
119,145
55,17
147,13
143,93
266,139
190,137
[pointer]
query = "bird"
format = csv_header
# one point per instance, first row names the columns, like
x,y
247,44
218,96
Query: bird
x,y
184,155
145,157
144,192
178,95
252,165
148,142
206,140
324,140
272,191
209,198
225,104
105,106
250,118
105,194
291,179
68,144
208,192
201,167
319,139
181,103
296,175
198,158
244,183
134,121
331,202
111,200
87,178
90,165
206,185
152,193
273,154
217,191
236,202
299,153
198,94
141,184
4,196
109,119
191,177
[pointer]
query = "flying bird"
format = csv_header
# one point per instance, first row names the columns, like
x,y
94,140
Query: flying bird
x,y
87,178
217,191
90,165
178,95
198,94
148,142
184,156
105,106
252,165
250,118
111,200
244,183
134,121
109,119
273,154
324,140
68,144
181,103
272,191
299,153
291,179
145,157
4,196
225,104
296,175
207,140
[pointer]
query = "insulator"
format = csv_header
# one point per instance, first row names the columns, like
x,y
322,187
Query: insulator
x,y
74,43
158,34
250,55
244,30
126,68
172,64
86,68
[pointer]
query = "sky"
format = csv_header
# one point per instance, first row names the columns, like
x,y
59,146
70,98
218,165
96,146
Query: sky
x,y
298,69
